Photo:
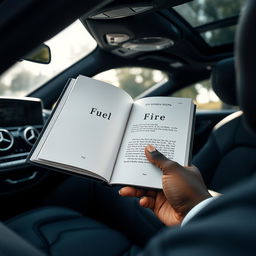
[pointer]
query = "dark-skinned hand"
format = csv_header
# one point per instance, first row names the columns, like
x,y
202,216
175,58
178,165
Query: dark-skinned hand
x,y
183,188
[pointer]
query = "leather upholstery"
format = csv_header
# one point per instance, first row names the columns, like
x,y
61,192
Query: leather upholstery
x,y
12,244
60,231
245,62
223,81
229,155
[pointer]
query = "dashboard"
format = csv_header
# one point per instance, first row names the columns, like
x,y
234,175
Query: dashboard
x,y
21,121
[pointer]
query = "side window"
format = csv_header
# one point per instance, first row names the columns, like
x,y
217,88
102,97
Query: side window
x,y
133,80
203,96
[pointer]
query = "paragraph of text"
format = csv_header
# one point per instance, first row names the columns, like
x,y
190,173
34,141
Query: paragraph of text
x,y
135,149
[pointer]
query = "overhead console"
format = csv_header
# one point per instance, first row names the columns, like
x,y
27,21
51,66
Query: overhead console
x,y
129,37
120,26
125,8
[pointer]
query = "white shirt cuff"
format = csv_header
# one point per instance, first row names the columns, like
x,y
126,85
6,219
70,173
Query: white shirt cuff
x,y
196,209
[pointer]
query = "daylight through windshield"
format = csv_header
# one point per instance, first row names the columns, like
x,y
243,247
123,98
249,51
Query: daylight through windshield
x,y
67,47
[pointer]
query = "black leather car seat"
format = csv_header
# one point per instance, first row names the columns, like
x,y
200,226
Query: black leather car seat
x,y
229,156
61,231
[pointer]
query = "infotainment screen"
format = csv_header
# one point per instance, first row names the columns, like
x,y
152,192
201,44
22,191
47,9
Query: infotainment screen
x,y
20,112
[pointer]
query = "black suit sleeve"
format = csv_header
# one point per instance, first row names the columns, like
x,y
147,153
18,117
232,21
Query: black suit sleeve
x,y
227,226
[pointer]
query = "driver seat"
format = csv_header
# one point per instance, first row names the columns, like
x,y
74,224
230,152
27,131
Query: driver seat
x,y
228,157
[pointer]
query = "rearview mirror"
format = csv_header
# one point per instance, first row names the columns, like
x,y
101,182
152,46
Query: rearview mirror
x,y
42,55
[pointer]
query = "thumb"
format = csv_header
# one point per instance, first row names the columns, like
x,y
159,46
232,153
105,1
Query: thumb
x,y
159,160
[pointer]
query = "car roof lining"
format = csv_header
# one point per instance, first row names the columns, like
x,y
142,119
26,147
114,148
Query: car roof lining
x,y
50,20
18,24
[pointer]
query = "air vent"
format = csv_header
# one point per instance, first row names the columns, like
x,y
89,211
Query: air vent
x,y
30,135
6,140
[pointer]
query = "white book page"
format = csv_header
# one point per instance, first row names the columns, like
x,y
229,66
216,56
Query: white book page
x,y
52,121
163,122
89,129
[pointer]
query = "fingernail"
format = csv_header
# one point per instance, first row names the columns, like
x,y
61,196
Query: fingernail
x,y
150,148
120,192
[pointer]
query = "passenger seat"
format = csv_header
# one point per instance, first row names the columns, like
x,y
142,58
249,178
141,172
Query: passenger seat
x,y
229,156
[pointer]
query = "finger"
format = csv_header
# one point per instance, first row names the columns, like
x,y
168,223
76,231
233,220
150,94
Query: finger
x,y
158,159
147,202
151,193
132,192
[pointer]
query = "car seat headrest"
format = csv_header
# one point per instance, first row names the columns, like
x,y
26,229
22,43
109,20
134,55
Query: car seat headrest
x,y
245,52
223,81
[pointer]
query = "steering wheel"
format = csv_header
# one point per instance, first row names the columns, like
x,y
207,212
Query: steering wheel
x,y
245,52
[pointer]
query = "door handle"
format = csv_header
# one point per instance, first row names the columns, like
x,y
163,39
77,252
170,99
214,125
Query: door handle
x,y
30,177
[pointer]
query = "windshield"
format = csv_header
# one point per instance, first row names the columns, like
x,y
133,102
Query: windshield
x,y
67,47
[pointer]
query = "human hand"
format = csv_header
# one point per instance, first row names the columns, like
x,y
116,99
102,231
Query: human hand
x,y
183,188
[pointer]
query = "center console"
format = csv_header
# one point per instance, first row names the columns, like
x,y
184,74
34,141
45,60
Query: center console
x,y
21,121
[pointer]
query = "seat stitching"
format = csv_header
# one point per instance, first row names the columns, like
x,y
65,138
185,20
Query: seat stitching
x,y
37,225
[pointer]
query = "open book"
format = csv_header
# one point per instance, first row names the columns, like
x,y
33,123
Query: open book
x,y
99,131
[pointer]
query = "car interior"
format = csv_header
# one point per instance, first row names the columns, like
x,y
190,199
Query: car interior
x,y
188,44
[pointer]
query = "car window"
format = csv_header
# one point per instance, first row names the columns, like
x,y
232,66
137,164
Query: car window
x,y
212,19
134,80
67,47
203,96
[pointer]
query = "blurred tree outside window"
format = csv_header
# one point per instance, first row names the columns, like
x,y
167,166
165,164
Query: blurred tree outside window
x,y
203,96
134,80
201,12
220,36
